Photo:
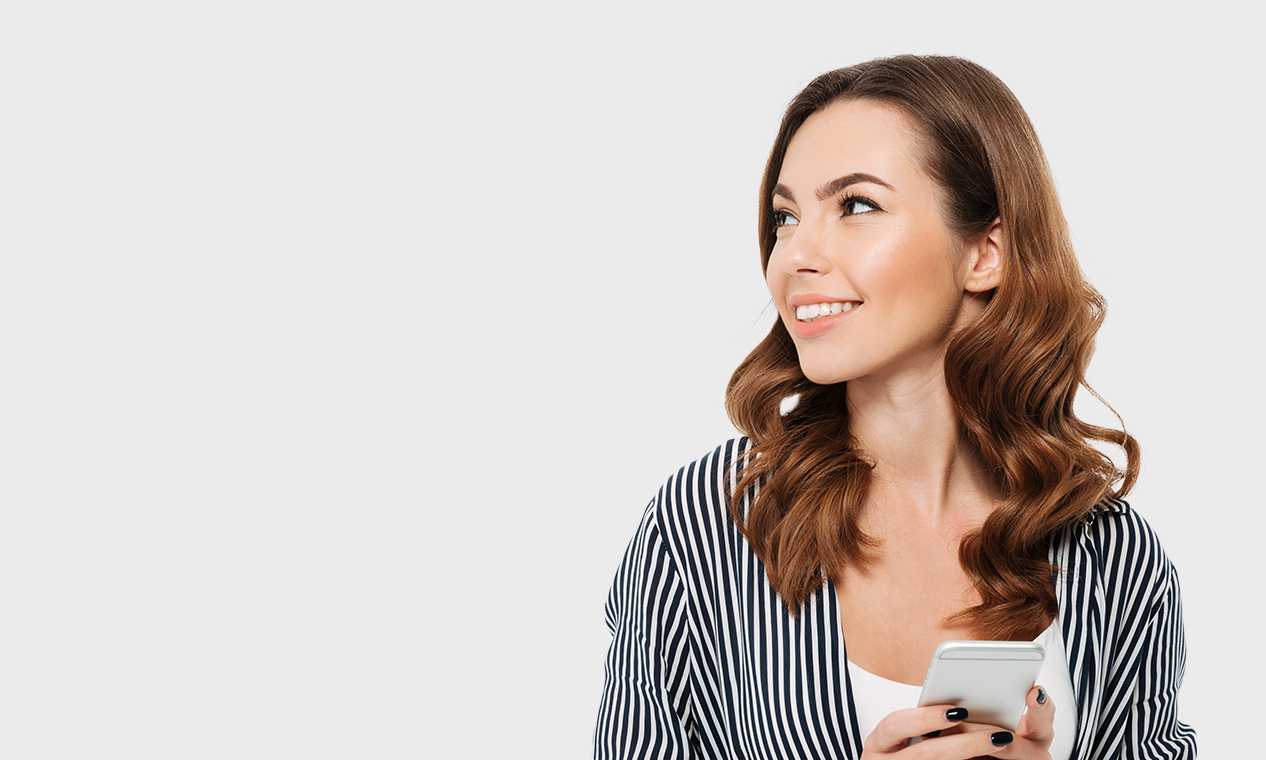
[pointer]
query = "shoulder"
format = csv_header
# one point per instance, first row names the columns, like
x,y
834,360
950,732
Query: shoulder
x,y
718,470
697,493
1116,546
1118,529
705,480
691,509
686,535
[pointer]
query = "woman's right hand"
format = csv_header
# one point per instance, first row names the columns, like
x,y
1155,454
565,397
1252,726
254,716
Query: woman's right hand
x,y
946,734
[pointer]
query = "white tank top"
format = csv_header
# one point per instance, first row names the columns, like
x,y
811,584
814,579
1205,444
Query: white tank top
x,y
876,697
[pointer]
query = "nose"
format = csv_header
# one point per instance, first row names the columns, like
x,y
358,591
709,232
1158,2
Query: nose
x,y
803,255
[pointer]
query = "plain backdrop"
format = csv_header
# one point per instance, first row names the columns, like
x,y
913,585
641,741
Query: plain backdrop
x,y
343,344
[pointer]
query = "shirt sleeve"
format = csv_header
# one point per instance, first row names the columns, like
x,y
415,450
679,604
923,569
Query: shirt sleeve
x,y
1152,728
645,709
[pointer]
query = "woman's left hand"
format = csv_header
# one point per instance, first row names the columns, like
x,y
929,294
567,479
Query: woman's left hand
x,y
1032,738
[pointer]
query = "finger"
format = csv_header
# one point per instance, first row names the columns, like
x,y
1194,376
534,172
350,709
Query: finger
x,y
983,743
1038,722
899,726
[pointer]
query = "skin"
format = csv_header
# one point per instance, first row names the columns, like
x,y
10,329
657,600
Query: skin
x,y
1031,739
881,243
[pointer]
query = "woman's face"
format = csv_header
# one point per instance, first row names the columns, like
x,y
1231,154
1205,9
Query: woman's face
x,y
866,276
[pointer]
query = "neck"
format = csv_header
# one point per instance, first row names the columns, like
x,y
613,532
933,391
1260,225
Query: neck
x,y
909,428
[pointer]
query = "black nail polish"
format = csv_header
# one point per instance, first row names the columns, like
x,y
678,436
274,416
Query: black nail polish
x,y
1041,697
957,714
1001,738
931,734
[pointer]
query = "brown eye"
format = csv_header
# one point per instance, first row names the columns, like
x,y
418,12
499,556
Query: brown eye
x,y
785,219
854,205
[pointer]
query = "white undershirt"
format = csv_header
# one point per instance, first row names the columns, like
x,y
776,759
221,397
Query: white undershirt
x,y
876,697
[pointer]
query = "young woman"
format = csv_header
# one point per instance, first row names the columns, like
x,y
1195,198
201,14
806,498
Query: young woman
x,y
912,471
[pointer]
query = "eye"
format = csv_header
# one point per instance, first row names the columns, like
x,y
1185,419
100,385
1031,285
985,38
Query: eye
x,y
784,219
855,204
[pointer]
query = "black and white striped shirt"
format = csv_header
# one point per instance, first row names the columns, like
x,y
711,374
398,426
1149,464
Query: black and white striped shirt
x,y
706,662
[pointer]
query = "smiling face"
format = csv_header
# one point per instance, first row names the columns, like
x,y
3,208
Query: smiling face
x,y
867,277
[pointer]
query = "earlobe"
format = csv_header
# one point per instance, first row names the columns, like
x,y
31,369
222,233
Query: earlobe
x,y
985,261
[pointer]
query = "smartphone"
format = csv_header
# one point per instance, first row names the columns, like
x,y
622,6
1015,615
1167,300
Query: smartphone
x,y
989,678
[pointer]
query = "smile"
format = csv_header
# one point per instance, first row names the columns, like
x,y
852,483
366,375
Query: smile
x,y
816,311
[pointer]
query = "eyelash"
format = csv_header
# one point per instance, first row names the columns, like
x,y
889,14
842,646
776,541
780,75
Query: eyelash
x,y
849,199
780,218
781,215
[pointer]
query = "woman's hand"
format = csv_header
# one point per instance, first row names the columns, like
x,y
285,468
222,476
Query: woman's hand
x,y
946,734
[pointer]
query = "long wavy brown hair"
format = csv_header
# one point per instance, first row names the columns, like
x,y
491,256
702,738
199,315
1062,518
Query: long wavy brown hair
x,y
1012,373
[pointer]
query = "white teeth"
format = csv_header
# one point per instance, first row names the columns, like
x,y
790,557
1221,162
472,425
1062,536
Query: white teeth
x,y
814,311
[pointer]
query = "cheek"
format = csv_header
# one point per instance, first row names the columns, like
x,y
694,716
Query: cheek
x,y
777,293
775,278
915,265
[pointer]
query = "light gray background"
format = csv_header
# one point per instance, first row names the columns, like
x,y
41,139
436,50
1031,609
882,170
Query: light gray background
x,y
344,343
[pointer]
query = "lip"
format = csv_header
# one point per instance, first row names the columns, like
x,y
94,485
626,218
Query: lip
x,y
820,325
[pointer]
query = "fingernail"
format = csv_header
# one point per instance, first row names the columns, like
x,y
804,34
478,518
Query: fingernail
x,y
1001,738
931,734
957,714
1041,696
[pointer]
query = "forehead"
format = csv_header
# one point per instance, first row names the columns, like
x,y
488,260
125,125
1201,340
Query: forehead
x,y
853,136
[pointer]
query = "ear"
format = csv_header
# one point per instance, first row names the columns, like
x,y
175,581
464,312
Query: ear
x,y
985,260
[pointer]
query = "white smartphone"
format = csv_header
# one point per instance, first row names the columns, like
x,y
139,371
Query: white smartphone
x,y
989,678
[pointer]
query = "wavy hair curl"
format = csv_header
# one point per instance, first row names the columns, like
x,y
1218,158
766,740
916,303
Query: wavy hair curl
x,y
1012,373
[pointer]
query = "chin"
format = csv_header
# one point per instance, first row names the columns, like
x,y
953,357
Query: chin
x,y
825,375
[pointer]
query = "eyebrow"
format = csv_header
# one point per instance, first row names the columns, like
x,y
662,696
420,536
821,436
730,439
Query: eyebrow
x,y
835,185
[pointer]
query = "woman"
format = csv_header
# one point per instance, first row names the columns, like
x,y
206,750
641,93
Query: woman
x,y
784,595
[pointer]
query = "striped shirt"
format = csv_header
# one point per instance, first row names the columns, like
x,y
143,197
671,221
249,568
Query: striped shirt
x,y
706,662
